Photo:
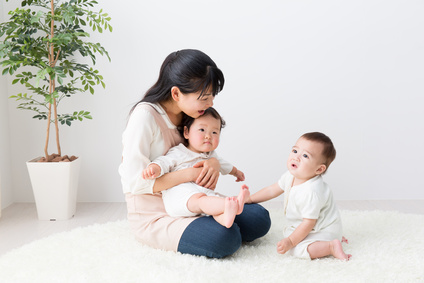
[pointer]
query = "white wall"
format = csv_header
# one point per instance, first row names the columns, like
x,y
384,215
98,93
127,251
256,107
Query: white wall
x,y
6,193
351,69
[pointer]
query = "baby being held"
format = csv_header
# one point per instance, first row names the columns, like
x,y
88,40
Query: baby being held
x,y
314,227
189,199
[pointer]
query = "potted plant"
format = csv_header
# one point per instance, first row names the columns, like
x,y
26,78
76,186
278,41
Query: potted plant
x,y
41,45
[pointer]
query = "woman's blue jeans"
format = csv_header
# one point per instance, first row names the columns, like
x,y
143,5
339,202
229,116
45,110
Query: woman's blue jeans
x,y
206,237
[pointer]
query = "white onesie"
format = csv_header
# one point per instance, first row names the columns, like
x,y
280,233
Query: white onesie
x,y
312,200
180,157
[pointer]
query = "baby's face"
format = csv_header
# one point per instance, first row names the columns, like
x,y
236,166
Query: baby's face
x,y
305,160
203,135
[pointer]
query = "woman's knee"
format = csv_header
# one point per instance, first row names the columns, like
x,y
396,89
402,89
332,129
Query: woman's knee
x,y
228,241
254,222
205,237
263,220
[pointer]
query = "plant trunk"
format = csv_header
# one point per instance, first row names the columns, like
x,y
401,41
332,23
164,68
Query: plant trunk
x,y
52,86
57,129
48,132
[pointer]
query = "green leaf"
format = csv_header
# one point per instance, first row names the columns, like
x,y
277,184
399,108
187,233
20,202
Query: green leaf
x,y
37,17
24,46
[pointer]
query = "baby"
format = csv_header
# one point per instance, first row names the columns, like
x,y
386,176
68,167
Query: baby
x,y
314,228
189,199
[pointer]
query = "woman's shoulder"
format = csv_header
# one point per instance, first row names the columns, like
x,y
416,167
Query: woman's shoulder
x,y
154,111
146,107
141,117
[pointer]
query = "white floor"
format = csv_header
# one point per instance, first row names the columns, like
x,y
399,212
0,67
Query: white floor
x,y
19,224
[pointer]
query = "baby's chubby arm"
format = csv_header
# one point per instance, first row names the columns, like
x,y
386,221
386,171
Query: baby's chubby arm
x,y
162,165
298,235
266,193
152,171
238,174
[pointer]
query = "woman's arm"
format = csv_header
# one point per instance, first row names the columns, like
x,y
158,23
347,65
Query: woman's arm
x,y
204,172
140,133
173,179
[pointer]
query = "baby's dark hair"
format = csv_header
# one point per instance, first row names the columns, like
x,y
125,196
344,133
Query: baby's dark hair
x,y
188,121
329,151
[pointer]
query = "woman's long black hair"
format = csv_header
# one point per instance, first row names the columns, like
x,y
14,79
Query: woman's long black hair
x,y
191,71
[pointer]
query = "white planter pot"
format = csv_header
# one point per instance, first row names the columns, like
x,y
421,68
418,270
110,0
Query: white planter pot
x,y
55,186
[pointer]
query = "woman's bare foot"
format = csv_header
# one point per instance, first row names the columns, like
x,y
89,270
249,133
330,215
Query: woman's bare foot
x,y
337,250
242,198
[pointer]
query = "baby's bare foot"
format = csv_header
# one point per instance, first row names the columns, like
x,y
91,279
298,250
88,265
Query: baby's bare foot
x,y
242,198
231,207
337,250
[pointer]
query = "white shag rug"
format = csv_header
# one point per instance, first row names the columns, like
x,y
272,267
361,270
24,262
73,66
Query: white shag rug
x,y
385,247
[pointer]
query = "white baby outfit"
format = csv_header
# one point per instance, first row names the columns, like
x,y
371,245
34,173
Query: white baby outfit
x,y
312,200
180,157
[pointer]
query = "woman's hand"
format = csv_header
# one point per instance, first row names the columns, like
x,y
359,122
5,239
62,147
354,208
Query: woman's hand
x,y
209,175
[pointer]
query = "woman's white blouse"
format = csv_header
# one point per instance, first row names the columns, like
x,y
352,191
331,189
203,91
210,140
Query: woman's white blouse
x,y
142,142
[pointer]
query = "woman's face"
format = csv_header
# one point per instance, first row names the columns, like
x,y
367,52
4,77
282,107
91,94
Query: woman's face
x,y
193,105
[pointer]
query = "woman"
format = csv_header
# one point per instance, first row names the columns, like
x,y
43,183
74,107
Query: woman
x,y
187,84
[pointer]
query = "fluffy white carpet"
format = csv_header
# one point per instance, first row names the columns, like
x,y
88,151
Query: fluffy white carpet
x,y
386,247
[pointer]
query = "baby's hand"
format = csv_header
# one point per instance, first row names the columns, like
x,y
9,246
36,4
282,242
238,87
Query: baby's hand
x,y
284,246
239,175
151,172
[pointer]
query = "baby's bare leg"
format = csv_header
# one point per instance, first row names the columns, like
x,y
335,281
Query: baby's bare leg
x,y
201,203
326,248
223,210
226,219
242,197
